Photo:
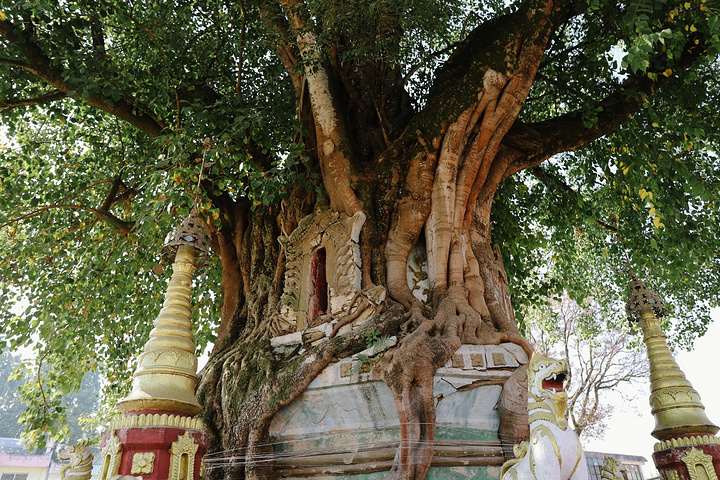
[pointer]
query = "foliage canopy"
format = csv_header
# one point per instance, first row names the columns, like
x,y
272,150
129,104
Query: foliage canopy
x,y
105,105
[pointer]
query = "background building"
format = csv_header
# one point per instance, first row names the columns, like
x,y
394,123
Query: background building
x,y
632,465
16,463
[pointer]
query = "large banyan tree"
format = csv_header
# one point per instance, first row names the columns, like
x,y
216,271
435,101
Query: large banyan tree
x,y
522,148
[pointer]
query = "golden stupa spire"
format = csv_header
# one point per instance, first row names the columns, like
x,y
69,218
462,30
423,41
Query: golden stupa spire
x,y
166,374
676,405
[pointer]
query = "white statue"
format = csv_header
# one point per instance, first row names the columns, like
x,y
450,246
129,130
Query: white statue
x,y
554,451
80,466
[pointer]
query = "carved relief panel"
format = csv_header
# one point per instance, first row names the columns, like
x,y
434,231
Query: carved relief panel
x,y
143,463
322,269
182,458
699,465
110,457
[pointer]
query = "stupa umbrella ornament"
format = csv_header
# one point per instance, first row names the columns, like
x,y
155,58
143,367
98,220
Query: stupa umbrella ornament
x,y
687,448
157,436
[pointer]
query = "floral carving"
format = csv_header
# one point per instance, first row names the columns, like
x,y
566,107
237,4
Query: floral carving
x,y
143,463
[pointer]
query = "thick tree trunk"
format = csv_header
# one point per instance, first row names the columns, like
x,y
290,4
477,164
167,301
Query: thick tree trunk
x,y
435,180
244,384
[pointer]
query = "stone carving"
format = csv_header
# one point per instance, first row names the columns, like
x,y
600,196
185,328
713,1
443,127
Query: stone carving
x,y
80,466
156,420
612,469
699,465
182,458
335,236
554,451
143,463
111,457
417,276
687,442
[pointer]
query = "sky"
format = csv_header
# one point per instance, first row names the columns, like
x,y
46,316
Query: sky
x,y
629,427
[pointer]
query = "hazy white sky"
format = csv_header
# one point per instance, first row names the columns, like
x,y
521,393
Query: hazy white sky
x,y
629,427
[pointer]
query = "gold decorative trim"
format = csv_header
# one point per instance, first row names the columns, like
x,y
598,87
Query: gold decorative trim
x,y
610,469
671,475
687,442
157,420
143,463
81,459
182,458
111,457
535,435
696,460
542,415
202,467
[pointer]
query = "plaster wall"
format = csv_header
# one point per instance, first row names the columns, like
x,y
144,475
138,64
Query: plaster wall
x,y
33,473
345,425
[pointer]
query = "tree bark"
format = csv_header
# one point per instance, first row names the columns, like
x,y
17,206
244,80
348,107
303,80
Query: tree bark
x,y
436,179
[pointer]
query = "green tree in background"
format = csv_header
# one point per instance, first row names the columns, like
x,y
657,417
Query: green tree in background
x,y
10,405
79,406
512,143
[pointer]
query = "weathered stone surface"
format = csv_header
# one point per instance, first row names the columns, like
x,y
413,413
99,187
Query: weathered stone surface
x,y
337,235
286,344
345,425
417,276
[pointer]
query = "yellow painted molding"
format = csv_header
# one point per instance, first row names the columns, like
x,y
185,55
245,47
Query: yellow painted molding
x,y
157,420
182,458
699,465
110,454
687,442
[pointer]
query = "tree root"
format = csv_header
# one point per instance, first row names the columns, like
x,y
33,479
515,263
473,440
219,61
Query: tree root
x,y
409,371
248,402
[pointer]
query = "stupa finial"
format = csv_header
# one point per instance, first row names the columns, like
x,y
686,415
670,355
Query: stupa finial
x,y
676,405
166,374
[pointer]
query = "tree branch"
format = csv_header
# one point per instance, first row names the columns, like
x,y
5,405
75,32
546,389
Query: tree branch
x,y
553,183
41,66
278,28
16,63
102,213
241,49
570,132
489,56
26,102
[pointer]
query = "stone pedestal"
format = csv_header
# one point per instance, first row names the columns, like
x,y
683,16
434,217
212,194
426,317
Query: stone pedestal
x,y
345,424
688,458
154,446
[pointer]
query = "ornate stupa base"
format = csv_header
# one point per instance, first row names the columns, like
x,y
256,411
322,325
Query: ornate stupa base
x,y
154,446
688,458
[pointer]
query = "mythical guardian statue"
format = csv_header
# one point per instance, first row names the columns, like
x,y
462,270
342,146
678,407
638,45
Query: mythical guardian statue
x,y
80,466
612,469
554,451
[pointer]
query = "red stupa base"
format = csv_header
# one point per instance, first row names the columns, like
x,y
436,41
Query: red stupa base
x,y
154,446
691,459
